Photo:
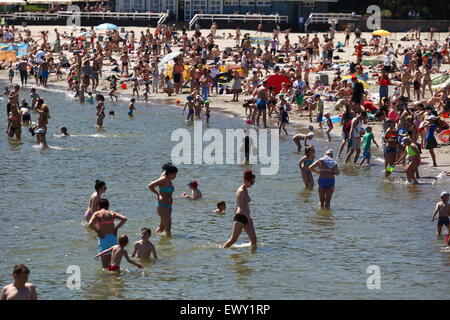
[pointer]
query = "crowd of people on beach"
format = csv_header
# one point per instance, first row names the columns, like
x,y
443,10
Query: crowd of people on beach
x,y
408,109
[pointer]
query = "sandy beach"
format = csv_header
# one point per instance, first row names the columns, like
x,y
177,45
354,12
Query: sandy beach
x,y
223,103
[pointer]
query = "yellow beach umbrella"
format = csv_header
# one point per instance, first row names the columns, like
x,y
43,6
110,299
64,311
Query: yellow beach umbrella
x,y
381,32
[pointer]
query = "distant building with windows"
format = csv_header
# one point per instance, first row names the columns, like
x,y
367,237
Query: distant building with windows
x,y
184,10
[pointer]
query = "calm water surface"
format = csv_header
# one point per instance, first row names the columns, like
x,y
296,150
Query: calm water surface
x,y
304,253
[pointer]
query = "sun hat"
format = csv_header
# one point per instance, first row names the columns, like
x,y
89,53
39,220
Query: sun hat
x,y
445,194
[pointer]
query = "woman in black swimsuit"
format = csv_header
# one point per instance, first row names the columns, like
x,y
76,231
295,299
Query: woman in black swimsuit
x,y
242,218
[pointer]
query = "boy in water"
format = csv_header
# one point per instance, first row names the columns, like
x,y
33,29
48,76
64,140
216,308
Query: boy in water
x,y
444,213
135,87
146,91
144,247
299,137
367,139
118,252
64,131
20,289
131,107
221,207
90,98
190,105
34,98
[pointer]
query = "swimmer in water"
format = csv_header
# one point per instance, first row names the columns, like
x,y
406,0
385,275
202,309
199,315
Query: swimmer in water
x,y
443,208
242,218
131,107
112,114
196,194
117,252
304,163
64,132
100,188
144,248
221,207
164,197
299,137
20,289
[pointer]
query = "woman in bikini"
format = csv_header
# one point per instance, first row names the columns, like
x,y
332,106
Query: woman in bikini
x,y
164,197
242,220
327,170
100,188
304,164
102,222
14,122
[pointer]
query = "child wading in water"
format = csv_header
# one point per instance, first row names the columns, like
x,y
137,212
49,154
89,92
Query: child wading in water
x,y
118,252
131,107
221,207
190,105
444,213
282,120
366,144
196,194
144,247
329,125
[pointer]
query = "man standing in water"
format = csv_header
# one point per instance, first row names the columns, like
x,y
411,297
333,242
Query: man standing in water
x,y
356,131
20,289
261,103
44,68
23,71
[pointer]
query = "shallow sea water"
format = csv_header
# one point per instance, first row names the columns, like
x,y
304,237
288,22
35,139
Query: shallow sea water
x,y
303,253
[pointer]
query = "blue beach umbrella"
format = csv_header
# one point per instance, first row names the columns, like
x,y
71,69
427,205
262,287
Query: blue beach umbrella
x,y
106,26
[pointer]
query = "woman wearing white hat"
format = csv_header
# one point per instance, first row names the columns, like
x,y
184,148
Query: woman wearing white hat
x,y
327,170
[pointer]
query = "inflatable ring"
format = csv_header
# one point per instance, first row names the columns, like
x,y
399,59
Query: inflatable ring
x,y
444,136
223,77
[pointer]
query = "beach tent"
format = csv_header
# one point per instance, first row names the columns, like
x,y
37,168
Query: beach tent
x,y
106,26
276,81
